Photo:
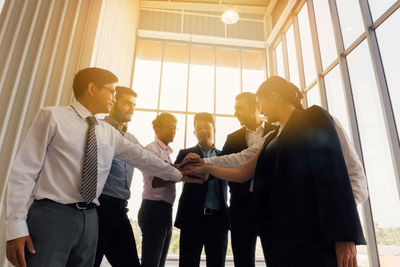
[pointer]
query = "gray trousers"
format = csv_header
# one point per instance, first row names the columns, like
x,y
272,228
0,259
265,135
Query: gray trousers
x,y
62,236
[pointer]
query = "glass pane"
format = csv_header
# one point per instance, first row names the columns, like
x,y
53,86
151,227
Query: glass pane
x,y
224,126
336,98
201,80
326,36
146,78
292,57
377,157
389,42
191,139
279,61
378,7
179,139
141,127
314,96
174,77
306,45
253,71
228,80
351,21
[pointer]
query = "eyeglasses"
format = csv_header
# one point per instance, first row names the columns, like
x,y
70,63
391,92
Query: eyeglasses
x,y
171,128
110,90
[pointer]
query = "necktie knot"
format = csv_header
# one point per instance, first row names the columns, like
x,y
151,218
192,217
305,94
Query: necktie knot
x,y
91,120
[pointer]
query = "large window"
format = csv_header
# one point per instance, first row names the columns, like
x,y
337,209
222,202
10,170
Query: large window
x,y
359,77
184,79
378,162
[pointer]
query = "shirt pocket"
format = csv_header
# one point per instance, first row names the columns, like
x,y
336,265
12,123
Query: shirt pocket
x,y
105,157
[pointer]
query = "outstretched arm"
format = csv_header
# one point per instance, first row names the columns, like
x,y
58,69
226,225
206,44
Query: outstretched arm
x,y
245,173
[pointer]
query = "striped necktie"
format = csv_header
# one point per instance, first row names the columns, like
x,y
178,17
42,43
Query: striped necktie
x,y
89,176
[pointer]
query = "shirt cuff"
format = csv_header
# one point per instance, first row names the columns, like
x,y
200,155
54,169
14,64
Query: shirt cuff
x,y
16,229
208,161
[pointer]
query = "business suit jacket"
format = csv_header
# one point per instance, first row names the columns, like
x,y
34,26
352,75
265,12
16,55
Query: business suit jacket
x,y
241,199
302,187
191,202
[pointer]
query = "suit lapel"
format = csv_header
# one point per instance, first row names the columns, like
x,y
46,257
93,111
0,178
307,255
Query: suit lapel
x,y
197,150
242,143
268,127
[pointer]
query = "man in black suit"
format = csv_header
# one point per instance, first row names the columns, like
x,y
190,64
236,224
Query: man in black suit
x,y
202,212
243,226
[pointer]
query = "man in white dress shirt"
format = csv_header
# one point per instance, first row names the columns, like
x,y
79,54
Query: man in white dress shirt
x,y
61,227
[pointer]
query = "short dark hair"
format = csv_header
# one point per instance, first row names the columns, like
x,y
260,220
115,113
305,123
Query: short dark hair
x,y
96,75
161,118
287,90
250,98
204,116
122,90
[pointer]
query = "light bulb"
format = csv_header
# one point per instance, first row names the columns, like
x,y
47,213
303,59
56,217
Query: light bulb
x,y
230,17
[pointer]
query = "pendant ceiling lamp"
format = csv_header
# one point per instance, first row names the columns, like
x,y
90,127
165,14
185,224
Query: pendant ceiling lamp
x,y
230,17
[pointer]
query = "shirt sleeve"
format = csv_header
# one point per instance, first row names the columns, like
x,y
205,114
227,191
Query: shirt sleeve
x,y
144,160
153,150
235,160
25,172
354,167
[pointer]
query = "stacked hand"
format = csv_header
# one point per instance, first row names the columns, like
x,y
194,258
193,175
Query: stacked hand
x,y
193,169
188,163
193,166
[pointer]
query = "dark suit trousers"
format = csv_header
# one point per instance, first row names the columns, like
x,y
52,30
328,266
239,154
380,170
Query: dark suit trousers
x,y
243,238
310,254
191,243
116,239
243,226
155,221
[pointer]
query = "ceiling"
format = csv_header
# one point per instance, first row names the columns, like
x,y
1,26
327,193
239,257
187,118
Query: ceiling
x,y
241,6
258,3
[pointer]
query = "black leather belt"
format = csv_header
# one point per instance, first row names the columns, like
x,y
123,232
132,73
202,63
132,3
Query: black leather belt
x,y
122,203
77,205
207,211
82,205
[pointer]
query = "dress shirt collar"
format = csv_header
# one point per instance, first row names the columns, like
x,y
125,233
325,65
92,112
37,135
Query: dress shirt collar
x,y
164,146
81,110
115,124
205,150
260,128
